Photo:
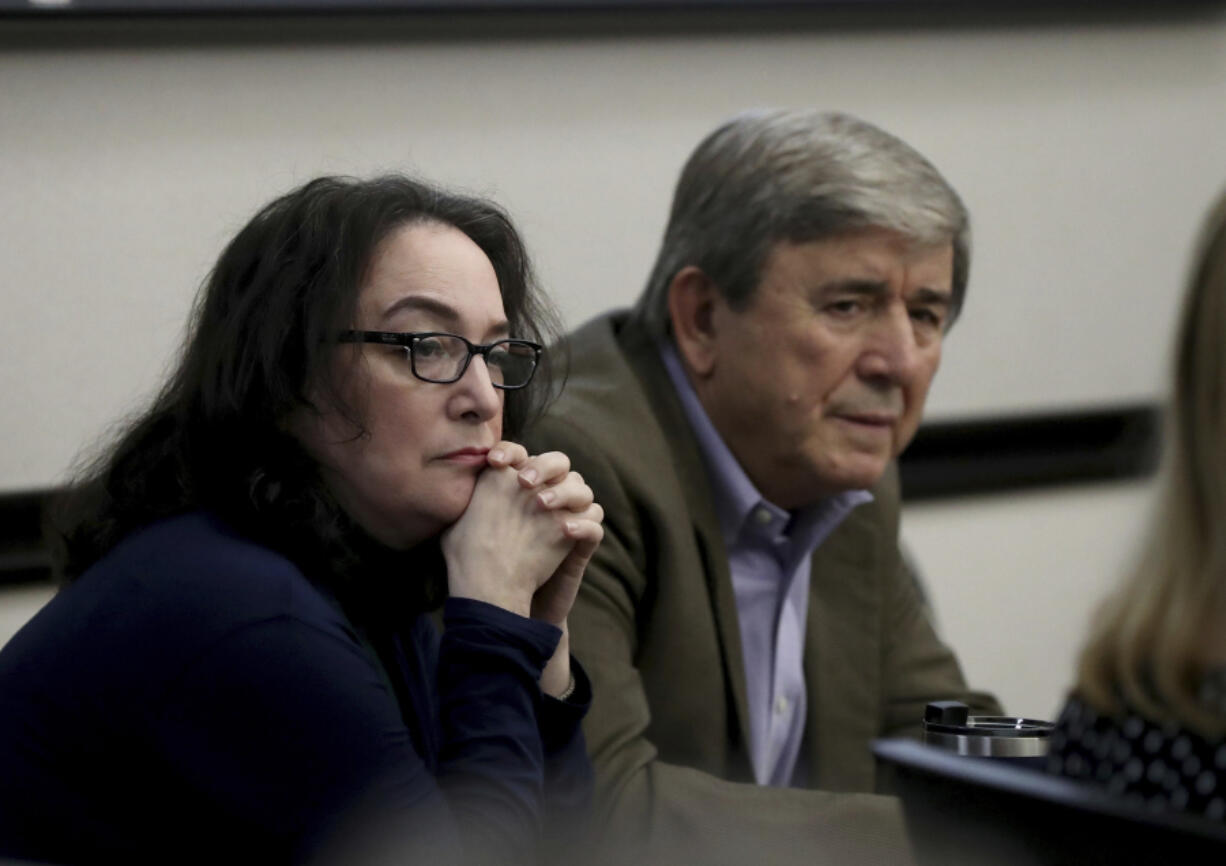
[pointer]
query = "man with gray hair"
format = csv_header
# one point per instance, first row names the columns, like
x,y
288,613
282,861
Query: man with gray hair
x,y
748,623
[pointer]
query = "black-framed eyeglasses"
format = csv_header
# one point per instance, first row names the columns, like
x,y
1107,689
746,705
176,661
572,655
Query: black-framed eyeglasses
x,y
435,356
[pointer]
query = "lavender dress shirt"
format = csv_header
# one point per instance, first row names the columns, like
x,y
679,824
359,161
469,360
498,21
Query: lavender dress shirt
x,y
768,556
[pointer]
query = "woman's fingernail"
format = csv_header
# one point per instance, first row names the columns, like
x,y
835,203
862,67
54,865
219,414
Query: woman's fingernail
x,y
498,455
547,497
572,527
529,475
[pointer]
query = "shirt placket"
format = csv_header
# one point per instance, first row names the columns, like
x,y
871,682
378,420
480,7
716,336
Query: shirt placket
x,y
786,698
788,685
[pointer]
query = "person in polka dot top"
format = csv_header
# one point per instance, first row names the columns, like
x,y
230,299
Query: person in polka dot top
x,y
1147,716
1160,766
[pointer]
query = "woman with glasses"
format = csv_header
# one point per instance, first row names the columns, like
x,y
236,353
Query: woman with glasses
x,y
243,665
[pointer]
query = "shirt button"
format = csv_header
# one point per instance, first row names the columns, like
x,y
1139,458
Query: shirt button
x,y
781,705
763,516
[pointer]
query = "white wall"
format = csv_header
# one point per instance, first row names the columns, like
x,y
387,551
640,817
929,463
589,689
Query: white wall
x,y
1014,579
1085,153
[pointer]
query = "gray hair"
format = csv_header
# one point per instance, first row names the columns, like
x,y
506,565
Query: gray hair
x,y
768,176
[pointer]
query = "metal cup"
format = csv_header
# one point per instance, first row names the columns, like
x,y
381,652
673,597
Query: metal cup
x,y
949,725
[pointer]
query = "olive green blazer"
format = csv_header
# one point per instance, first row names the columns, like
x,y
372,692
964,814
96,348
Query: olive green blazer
x,y
656,627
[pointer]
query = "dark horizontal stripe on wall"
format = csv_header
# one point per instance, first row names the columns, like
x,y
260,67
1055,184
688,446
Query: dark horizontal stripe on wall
x,y
947,458
993,455
23,552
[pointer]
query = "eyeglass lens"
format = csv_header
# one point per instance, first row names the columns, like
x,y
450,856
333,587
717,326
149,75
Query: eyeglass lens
x,y
441,358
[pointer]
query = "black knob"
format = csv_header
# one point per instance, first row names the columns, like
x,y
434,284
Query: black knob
x,y
947,713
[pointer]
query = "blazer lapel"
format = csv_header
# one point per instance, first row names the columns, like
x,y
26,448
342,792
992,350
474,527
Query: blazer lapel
x,y
644,357
723,609
842,648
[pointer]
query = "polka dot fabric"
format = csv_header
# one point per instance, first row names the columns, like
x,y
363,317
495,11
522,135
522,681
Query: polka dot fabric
x,y
1157,767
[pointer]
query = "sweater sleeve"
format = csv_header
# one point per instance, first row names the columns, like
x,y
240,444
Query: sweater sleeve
x,y
562,781
569,780
288,730
492,756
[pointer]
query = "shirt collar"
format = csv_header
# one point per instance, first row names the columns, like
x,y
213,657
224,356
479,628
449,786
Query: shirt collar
x,y
738,504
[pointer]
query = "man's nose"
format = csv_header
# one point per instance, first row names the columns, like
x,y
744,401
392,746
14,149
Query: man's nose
x,y
891,352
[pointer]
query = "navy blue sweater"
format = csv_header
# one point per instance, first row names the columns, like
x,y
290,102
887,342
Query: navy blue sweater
x,y
193,697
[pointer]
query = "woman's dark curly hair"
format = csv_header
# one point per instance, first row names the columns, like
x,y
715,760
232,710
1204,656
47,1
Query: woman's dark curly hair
x,y
263,327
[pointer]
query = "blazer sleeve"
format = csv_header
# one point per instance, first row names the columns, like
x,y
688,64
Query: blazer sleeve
x,y
917,666
658,812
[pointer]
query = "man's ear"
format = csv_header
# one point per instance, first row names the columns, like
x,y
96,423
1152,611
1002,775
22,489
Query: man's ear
x,y
692,297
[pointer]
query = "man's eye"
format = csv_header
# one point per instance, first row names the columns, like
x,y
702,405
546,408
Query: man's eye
x,y
928,317
845,308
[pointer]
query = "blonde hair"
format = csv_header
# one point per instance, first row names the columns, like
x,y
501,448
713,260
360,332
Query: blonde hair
x,y
1150,642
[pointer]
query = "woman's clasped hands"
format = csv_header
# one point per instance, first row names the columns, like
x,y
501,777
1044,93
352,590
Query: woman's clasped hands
x,y
524,541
